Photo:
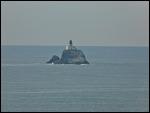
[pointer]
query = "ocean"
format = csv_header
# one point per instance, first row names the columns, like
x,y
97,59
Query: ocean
x,y
116,80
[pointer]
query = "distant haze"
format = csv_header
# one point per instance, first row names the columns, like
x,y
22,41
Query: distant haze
x,y
87,23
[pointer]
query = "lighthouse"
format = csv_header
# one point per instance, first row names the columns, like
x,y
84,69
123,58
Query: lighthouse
x,y
70,43
70,46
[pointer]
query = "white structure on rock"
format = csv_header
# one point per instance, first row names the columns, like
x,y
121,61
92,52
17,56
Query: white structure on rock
x,y
70,46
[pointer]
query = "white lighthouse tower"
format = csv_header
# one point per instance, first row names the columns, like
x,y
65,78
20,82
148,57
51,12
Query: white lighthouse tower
x,y
70,46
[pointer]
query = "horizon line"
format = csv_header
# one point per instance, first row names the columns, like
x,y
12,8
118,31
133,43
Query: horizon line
x,y
80,45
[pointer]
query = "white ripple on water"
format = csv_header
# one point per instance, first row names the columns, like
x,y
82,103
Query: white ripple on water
x,y
40,64
81,90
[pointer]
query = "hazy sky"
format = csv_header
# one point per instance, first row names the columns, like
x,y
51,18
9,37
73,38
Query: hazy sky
x,y
86,23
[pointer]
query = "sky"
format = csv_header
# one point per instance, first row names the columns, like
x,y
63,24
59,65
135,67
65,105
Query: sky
x,y
86,23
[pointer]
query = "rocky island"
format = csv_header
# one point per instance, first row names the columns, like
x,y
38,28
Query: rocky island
x,y
71,55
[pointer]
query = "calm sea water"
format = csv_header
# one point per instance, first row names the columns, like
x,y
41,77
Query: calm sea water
x,y
117,79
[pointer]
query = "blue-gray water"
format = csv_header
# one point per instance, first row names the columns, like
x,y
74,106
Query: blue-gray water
x,y
117,79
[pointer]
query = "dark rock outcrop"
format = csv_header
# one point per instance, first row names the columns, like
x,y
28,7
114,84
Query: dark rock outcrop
x,y
55,59
73,56
70,55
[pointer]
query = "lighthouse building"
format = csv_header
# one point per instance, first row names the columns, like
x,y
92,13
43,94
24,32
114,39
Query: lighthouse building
x,y
70,47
